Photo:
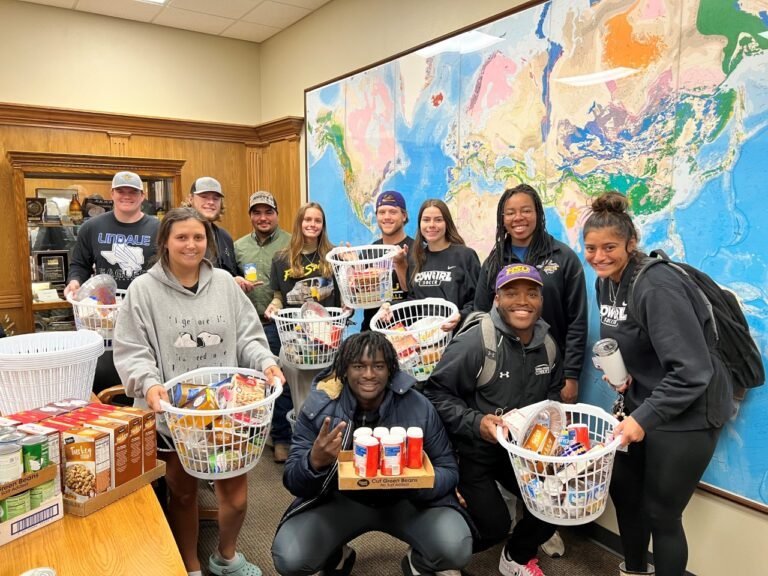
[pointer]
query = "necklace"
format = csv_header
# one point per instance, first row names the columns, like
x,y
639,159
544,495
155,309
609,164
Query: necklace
x,y
307,260
613,292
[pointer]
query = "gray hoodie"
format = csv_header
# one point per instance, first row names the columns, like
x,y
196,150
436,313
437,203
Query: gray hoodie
x,y
165,330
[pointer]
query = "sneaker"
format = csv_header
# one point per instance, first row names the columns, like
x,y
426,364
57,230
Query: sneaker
x,y
509,567
281,452
345,564
554,547
409,570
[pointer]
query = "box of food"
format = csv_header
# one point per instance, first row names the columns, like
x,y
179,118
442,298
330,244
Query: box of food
x,y
135,435
79,508
149,436
46,513
28,480
423,477
52,411
123,467
27,417
87,469
70,404
101,408
8,423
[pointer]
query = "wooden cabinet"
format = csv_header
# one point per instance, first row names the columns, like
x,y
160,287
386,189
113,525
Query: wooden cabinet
x,y
30,169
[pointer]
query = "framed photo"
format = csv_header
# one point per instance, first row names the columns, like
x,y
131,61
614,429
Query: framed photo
x,y
54,193
52,266
35,209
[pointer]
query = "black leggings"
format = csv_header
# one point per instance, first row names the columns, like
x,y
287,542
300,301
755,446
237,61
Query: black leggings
x,y
652,484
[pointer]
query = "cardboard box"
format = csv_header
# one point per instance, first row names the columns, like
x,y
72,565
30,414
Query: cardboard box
x,y
100,408
86,463
7,422
149,438
27,417
52,411
136,432
410,478
27,481
100,501
70,404
123,467
49,511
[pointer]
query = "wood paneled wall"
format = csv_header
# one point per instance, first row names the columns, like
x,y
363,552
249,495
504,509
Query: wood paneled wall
x,y
242,158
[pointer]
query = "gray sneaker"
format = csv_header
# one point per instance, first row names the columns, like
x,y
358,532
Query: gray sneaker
x,y
554,547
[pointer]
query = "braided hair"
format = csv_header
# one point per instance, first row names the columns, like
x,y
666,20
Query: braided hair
x,y
540,247
354,347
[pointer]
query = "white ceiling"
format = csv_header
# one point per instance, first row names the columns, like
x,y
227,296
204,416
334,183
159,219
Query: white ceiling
x,y
251,20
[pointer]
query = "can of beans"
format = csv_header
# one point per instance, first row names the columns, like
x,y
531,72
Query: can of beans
x,y
392,448
379,433
34,452
414,447
362,431
579,433
41,493
11,437
366,459
13,506
11,463
400,432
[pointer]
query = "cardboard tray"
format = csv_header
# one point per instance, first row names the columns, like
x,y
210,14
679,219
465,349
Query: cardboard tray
x,y
27,481
411,478
49,511
106,498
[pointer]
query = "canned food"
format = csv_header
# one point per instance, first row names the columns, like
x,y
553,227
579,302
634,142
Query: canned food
x,y
14,506
12,438
579,433
362,431
366,458
41,493
11,463
414,447
392,449
34,450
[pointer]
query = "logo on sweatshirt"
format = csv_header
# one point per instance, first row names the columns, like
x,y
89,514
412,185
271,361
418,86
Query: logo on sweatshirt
x,y
612,315
541,369
433,278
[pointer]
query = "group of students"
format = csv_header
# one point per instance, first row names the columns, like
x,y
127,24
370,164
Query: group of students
x,y
532,285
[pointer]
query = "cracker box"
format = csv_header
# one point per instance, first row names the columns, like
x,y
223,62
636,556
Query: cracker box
x,y
52,411
149,437
100,408
27,417
70,404
86,463
123,468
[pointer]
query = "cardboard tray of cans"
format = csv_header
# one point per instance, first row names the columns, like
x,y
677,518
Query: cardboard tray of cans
x,y
423,477
49,511
106,498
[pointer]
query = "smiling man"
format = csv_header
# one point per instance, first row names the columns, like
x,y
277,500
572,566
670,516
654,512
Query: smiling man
x,y
206,197
527,370
365,387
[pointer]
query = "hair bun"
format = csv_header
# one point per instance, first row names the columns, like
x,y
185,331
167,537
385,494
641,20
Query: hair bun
x,y
610,202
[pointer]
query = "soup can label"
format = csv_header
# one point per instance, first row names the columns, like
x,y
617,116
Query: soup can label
x,y
392,448
366,459
11,463
34,451
14,506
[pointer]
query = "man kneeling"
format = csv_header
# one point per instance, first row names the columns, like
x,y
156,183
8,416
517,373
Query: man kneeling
x,y
365,387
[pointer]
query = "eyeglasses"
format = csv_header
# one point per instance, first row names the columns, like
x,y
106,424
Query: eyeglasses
x,y
527,212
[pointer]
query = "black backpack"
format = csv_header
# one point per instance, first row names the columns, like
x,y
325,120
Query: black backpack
x,y
488,333
732,341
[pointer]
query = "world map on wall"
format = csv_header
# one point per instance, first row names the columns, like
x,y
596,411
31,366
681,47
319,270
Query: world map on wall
x,y
665,101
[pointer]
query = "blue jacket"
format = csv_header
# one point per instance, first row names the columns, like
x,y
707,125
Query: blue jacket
x,y
402,406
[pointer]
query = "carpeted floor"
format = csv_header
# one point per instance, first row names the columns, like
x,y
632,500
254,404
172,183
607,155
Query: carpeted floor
x,y
377,554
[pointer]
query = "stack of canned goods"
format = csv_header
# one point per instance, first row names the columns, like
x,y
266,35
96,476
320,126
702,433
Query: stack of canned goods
x,y
20,454
389,451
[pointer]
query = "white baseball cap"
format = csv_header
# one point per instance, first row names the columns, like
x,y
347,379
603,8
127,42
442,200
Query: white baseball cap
x,y
207,184
127,179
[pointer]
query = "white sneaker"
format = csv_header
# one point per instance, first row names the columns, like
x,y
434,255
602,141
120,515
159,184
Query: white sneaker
x,y
511,568
554,547
409,570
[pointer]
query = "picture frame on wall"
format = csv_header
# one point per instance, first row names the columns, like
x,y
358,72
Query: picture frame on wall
x,y
52,266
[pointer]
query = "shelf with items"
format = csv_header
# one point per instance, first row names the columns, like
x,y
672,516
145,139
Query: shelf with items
x,y
43,306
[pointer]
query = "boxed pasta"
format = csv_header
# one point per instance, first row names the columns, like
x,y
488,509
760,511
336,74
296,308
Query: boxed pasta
x,y
149,436
123,468
87,469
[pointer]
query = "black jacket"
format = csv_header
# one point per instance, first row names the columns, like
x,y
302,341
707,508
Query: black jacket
x,y
565,301
523,377
225,251
669,362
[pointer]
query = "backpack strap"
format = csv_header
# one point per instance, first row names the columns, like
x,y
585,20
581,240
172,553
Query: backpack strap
x,y
488,332
551,346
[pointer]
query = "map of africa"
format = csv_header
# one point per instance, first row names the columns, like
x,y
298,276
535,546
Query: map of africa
x,y
665,101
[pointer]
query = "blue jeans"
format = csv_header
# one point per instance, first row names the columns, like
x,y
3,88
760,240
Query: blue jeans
x,y
281,429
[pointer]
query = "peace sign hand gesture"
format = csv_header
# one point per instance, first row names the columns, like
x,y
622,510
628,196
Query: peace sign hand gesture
x,y
327,445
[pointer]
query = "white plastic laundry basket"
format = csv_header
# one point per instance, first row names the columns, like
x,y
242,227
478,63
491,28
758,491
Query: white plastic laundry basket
x,y
225,442
311,342
568,490
37,369
363,273
413,328
100,318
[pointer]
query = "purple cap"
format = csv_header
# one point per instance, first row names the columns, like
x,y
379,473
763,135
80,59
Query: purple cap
x,y
513,272
390,198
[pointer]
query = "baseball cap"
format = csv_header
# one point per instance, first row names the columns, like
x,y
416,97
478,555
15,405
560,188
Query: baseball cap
x,y
390,198
206,184
127,179
262,197
513,272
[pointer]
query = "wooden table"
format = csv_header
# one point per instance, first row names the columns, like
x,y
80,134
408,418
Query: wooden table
x,y
129,537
